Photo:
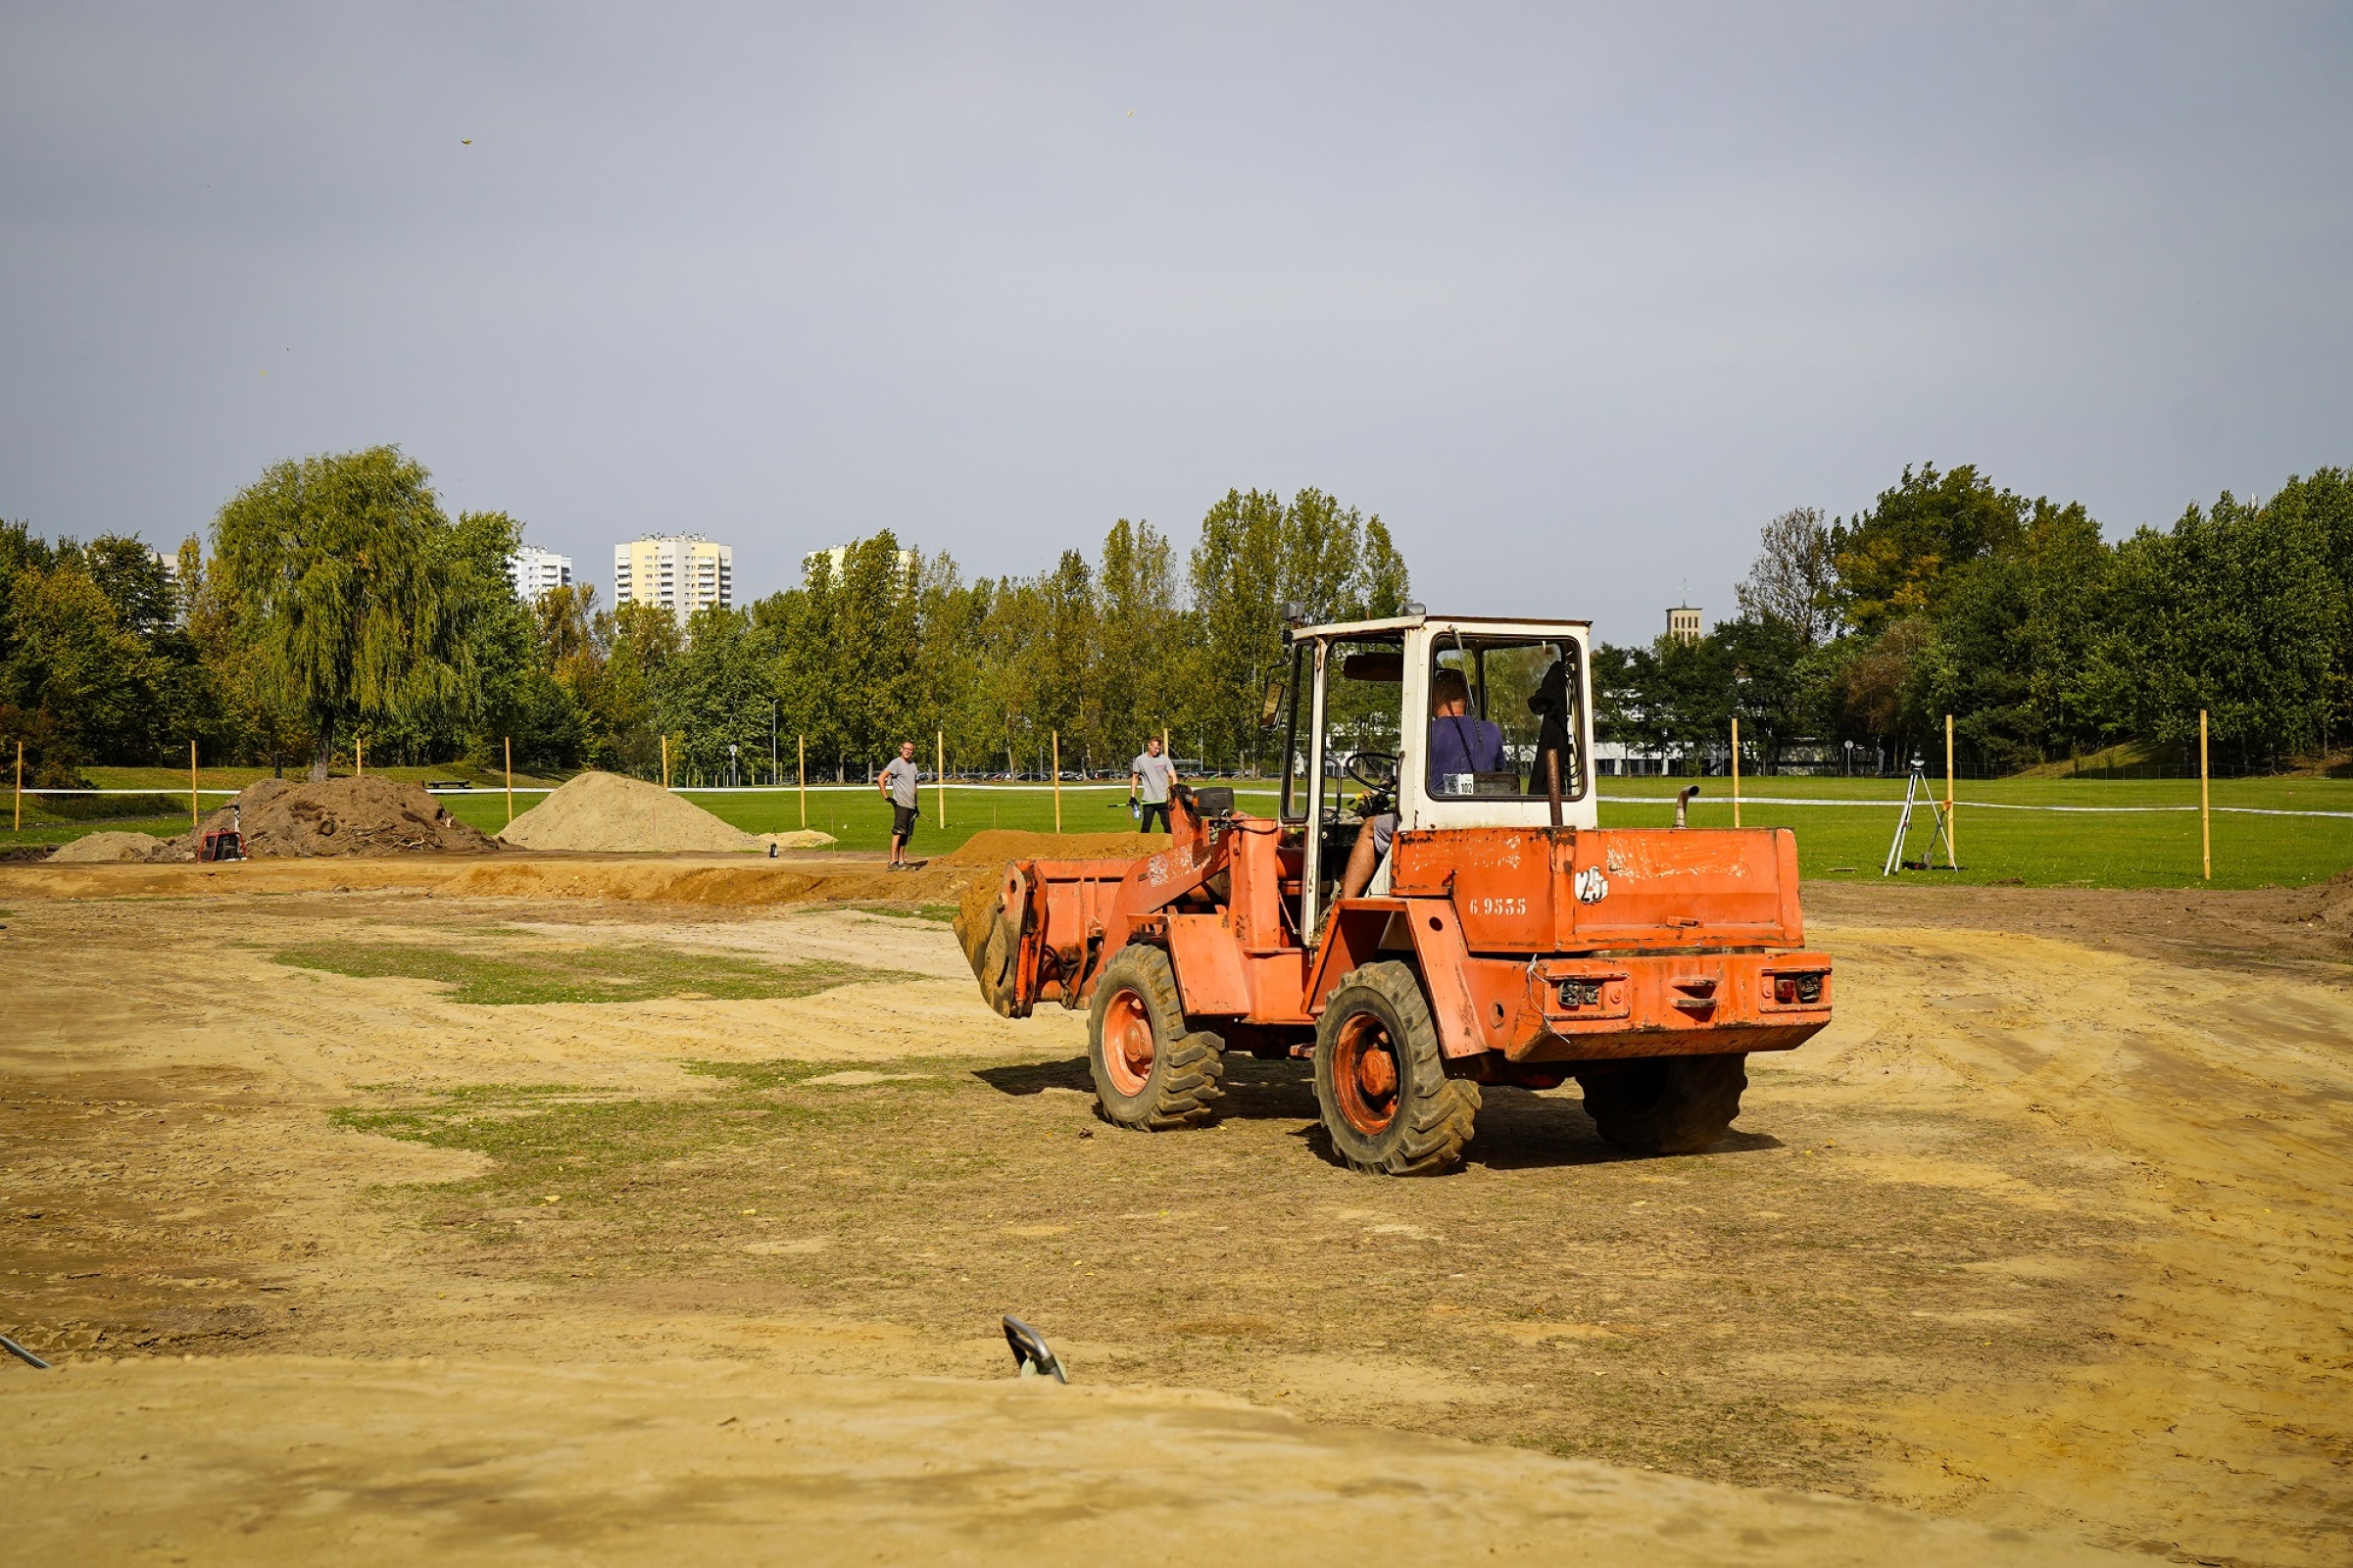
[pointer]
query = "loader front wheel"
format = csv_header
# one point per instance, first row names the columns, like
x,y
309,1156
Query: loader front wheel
x,y
1388,1105
1151,1072
1666,1104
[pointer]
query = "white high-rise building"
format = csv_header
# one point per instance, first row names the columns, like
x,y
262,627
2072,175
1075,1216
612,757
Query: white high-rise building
x,y
536,570
682,572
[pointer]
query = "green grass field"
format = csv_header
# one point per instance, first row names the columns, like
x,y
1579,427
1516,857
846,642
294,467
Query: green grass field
x,y
2036,847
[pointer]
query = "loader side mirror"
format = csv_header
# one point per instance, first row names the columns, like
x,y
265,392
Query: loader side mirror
x,y
1271,710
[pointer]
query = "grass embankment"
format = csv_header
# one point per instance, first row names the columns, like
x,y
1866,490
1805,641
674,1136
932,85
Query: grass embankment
x,y
2124,844
2110,847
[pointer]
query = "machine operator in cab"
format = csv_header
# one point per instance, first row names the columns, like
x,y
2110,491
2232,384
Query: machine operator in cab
x,y
1460,745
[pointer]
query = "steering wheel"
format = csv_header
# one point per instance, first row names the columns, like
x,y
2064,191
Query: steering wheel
x,y
1380,790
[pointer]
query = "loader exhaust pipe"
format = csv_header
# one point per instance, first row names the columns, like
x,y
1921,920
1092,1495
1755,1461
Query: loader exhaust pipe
x,y
1683,801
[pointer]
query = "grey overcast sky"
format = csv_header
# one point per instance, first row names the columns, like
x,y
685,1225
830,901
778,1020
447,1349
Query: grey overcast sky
x,y
1575,298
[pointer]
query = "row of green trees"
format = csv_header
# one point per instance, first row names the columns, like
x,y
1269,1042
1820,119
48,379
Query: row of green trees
x,y
1951,595
337,604
335,601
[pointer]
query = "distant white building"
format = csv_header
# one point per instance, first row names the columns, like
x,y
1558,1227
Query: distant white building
x,y
536,570
680,573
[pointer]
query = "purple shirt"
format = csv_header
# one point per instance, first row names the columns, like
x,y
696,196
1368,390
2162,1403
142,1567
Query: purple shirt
x,y
1460,744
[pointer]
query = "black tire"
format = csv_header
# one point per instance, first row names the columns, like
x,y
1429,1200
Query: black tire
x,y
1421,1124
1164,1075
1665,1104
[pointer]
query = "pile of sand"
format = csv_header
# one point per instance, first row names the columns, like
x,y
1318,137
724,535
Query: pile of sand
x,y
800,837
340,816
607,814
93,848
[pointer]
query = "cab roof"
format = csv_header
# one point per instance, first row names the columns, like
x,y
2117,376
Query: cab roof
x,y
1344,628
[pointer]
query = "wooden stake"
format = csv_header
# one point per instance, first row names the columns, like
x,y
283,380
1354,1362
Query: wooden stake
x,y
20,787
359,757
665,762
1735,770
194,819
941,774
1952,832
509,781
802,776
2205,802
1058,781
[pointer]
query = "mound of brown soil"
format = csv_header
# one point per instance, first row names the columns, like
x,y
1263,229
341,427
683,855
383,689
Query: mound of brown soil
x,y
605,813
341,816
995,845
93,848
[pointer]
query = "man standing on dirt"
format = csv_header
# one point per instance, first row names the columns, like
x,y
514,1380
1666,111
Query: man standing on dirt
x,y
1148,780
899,783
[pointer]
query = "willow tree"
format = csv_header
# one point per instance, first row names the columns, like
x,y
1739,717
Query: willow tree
x,y
337,567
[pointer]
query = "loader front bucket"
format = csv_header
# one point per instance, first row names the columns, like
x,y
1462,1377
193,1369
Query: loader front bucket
x,y
1036,932
989,926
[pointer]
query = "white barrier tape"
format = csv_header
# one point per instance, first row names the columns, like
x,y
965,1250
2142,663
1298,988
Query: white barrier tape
x,y
1113,789
1975,806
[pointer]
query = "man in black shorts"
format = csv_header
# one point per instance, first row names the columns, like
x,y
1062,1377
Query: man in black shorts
x,y
1148,780
898,783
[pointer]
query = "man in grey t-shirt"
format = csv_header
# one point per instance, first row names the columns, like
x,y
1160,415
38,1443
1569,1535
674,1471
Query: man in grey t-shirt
x,y
1149,778
898,783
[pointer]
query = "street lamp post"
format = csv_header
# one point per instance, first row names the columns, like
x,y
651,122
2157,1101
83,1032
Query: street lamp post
x,y
733,778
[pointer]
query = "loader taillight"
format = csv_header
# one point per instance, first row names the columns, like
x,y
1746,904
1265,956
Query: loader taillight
x,y
1576,994
1795,989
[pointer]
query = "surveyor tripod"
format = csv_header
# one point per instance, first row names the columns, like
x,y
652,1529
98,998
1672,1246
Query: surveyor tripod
x,y
1916,794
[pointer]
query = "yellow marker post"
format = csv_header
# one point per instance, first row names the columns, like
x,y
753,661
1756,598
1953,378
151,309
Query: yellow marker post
x,y
802,776
1952,832
194,819
1058,781
665,762
1735,770
359,757
510,780
20,787
941,774
2205,802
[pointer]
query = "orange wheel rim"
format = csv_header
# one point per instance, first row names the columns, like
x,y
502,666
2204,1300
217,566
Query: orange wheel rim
x,y
1364,1074
1127,1042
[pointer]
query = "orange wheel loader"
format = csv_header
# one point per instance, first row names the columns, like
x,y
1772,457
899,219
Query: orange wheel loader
x,y
1431,908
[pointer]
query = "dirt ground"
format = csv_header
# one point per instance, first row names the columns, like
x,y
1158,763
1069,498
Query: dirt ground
x,y
2041,1249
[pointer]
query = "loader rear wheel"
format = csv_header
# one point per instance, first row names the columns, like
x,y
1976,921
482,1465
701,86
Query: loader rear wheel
x,y
1151,1072
1380,1080
1666,1104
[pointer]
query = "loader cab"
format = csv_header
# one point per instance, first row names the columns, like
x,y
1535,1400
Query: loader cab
x,y
1363,734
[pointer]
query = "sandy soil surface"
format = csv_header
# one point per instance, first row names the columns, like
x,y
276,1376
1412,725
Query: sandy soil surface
x,y
283,1459
2046,1235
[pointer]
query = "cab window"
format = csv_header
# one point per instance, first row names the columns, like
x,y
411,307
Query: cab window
x,y
1500,710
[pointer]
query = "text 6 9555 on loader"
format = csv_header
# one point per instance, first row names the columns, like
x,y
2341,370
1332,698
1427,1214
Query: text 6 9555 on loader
x,y
1505,937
